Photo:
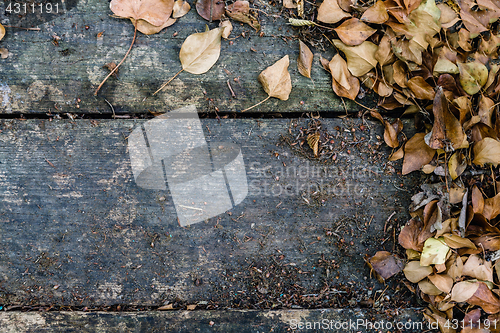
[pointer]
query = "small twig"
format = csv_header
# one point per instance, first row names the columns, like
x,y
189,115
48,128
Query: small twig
x,y
231,89
265,99
31,29
388,219
166,83
121,62
112,108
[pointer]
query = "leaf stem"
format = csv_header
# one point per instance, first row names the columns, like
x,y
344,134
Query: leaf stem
x,y
265,99
165,84
121,62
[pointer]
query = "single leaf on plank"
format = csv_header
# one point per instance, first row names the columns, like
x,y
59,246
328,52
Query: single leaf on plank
x,y
199,52
149,29
417,154
330,12
376,14
211,10
391,130
240,11
421,88
313,142
487,151
228,28
354,32
361,58
276,81
181,8
492,207
473,76
155,12
386,264
304,62
446,129
2,31
343,83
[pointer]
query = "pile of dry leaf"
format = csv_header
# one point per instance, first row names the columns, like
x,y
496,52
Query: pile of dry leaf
x,y
439,63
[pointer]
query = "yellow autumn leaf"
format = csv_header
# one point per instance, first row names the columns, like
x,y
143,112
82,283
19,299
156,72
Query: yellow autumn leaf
x,y
360,58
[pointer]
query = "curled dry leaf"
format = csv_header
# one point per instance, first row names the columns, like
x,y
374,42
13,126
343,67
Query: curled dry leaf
x,y
473,76
181,8
414,272
155,12
361,58
228,28
391,131
304,62
446,129
487,151
417,154
492,207
211,10
386,264
330,12
276,81
343,83
354,32
376,14
313,142
420,88
240,11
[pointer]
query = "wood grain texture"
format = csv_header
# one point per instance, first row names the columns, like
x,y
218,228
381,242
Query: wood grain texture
x,y
42,76
208,321
76,230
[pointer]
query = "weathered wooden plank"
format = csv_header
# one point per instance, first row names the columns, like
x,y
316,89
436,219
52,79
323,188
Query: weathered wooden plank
x,y
75,229
41,77
345,320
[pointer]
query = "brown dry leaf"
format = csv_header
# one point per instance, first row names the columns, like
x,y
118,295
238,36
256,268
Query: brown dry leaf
x,y
442,281
228,28
166,307
448,16
2,31
417,154
200,51
376,14
415,273
457,242
486,110
457,165
149,29
488,241
313,142
354,32
4,53
421,88
304,62
276,81
473,76
485,298
446,129
211,10
398,154
361,58
391,130
400,73
384,54
456,195
386,264
330,12
240,11
191,307
492,207
181,8
487,151
472,20
455,269
290,4
477,268
464,290
343,83
429,288
413,235
155,12
477,201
